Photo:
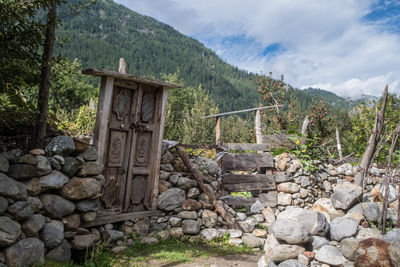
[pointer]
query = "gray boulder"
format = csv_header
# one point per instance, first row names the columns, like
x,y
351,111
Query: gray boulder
x,y
20,210
171,199
317,242
268,199
371,210
4,165
26,252
81,188
187,215
112,235
209,218
296,225
60,145
61,253
52,234
3,205
210,234
248,225
88,205
392,236
330,255
35,203
80,242
10,188
54,180
257,207
341,227
9,231
291,263
56,206
185,183
90,169
43,165
33,225
345,195
190,227
349,247
251,240
90,154
284,252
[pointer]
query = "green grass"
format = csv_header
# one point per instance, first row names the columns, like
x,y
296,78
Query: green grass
x,y
170,251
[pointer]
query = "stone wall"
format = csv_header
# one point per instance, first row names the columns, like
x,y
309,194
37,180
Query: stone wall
x,y
46,196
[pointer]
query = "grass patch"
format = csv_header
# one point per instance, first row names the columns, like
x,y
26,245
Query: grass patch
x,y
170,251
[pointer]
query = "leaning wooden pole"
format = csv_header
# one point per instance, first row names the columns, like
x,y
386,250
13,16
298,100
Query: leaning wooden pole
x,y
372,142
206,188
339,146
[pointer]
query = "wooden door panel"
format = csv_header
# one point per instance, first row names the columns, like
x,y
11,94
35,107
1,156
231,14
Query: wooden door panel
x,y
143,149
116,148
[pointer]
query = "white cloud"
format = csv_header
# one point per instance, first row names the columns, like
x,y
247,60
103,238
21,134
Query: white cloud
x,y
325,43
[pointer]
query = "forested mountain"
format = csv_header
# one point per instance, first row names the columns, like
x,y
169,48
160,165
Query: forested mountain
x,y
102,34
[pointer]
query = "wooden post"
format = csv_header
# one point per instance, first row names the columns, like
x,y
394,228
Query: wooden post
x,y
218,130
339,146
258,127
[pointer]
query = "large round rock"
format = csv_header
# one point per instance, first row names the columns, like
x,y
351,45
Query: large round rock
x,y
346,195
9,231
296,226
55,206
61,145
10,188
171,199
52,234
26,252
81,188
53,180
342,227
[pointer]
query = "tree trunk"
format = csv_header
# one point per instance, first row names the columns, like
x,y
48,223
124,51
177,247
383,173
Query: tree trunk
x,y
373,140
43,97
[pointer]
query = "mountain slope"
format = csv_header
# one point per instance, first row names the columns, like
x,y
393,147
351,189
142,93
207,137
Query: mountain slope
x,y
107,31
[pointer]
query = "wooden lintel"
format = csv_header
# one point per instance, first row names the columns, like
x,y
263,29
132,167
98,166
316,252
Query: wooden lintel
x,y
128,77
247,161
122,217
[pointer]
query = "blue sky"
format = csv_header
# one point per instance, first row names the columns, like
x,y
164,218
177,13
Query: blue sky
x,y
349,47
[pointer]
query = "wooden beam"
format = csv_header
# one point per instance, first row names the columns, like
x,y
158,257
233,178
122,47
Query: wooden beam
x,y
239,111
246,161
257,124
218,130
229,178
129,77
246,147
122,217
243,187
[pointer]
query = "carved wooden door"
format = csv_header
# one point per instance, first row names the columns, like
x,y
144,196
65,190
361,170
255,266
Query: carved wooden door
x,y
131,147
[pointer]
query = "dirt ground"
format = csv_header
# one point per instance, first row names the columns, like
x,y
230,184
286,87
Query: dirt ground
x,y
239,260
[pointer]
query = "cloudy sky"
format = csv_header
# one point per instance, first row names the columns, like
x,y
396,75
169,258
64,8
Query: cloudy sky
x,y
350,47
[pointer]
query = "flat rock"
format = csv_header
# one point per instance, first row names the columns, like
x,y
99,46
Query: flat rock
x,y
29,251
345,195
88,205
22,172
260,233
187,215
284,252
9,231
171,199
80,242
89,216
341,227
371,210
54,180
268,199
56,206
72,222
10,188
288,187
191,204
190,227
364,233
149,240
60,145
185,183
251,240
61,253
81,188
330,255
90,169
52,234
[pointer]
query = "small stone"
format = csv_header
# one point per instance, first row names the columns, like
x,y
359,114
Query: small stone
x,y
248,225
349,248
9,231
394,253
163,186
175,221
142,227
282,177
62,253
364,233
268,199
33,225
20,210
90,169
303,259
54,180
327,186
288,188
33,186
257,207
193,193
188,215
372,252
22,171
251,240
43,166
72,222
90,154
291,263
88,205
190,227
345,195
149,240
318,241
235,241
26,159
52,233
81,188
89,216
240,216
26,252
163,235
233,233
284,199
260,233
60,145
258,217
269,216
83,241
284,252
392,236
3,205
325,205
304,181
191,204
4,164
330,255
209,218
358,217
185,183
210,234
37,152
176,232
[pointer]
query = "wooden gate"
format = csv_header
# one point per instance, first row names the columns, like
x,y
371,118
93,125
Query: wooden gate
x,y
128,136
232,163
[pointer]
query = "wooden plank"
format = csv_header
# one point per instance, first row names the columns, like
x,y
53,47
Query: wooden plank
x,y
229,178
246,161
246,147
257,123
122,217
243,187
238,201
278,140
129,77
239,111
126,84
